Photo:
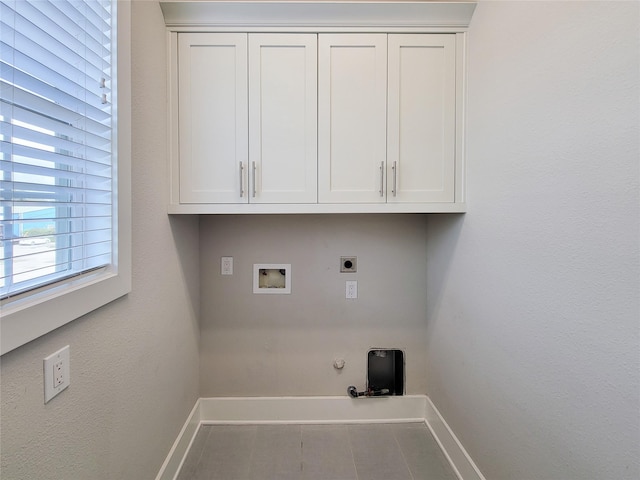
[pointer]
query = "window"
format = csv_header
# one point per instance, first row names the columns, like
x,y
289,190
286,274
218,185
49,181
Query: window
x,y
64,162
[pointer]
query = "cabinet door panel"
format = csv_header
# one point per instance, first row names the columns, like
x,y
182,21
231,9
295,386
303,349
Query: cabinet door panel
x,y
212,117
283,117
352,86
421,128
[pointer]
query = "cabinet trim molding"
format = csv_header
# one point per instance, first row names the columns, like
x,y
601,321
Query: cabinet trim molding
x,y
314,208
299,14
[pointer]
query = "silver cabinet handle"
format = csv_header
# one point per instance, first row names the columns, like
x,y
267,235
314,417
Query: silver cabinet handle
x,y
253,174
395,178
241,180
382,179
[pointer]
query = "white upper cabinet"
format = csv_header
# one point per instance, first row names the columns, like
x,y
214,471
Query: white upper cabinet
x,y
283,118
316,107
387,118
352,106
421,118
213,119
247,118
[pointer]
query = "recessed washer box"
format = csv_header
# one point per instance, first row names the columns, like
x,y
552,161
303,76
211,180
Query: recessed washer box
x,y
385,370
272,278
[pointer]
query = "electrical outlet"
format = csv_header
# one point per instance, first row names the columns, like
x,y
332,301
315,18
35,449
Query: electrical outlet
x,y
57,375
226,265
352,289
348,264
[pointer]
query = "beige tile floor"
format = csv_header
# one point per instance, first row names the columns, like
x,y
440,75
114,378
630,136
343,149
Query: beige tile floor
x,y
401,451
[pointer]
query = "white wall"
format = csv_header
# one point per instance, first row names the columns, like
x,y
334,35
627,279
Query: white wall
x,y
533,310
134,363
273,345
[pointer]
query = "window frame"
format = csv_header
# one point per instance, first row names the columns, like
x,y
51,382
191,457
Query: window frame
x,y
30,315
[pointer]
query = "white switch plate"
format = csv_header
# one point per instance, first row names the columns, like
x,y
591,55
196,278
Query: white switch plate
x,y
352,289
57,373
226,266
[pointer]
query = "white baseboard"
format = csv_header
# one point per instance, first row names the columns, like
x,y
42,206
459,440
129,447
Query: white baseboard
x,y
181,446
314,410
458,457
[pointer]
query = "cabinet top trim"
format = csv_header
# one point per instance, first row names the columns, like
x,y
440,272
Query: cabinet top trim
x,y
297,14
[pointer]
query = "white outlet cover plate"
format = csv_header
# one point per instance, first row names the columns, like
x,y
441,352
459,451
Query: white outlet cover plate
x,y
61,356
351,289
226,265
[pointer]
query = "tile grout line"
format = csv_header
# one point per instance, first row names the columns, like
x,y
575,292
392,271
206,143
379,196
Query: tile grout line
x,y
204,447
404,459
301,454
252,450
353,458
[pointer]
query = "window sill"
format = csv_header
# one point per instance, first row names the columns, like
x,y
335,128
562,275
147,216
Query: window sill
x,y
32,315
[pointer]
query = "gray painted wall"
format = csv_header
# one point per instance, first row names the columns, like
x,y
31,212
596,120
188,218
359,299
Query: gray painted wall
x,y
271,345
134,362
533,326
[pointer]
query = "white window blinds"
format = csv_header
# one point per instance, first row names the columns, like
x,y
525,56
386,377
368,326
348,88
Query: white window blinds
x,y
56,158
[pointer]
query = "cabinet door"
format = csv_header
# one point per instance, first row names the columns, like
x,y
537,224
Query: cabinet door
x,y
283,118
421,122
352,95
213,119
